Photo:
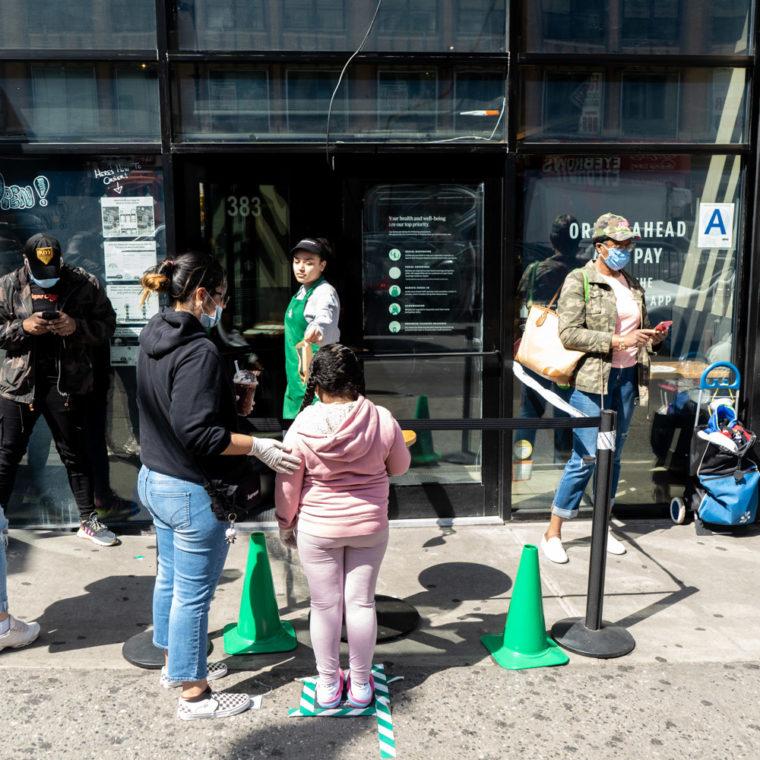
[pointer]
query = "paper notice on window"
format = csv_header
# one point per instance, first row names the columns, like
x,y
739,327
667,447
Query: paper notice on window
x,y
125,300
124,346
127,217
128,259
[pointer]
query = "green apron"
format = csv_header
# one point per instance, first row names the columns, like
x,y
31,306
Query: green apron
x,y
295,327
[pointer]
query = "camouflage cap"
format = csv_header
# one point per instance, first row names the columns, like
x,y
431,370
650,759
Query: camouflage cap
x,y
612,226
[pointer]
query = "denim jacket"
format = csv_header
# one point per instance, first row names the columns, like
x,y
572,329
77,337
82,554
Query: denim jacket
x,y
587,323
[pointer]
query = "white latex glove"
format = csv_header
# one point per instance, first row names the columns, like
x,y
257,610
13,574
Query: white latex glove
x,y
288,538
274,454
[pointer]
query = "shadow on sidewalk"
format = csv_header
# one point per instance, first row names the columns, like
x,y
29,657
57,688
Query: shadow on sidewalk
x,y
112,610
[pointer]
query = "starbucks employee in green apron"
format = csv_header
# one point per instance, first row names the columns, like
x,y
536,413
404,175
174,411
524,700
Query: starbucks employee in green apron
x,y
312,314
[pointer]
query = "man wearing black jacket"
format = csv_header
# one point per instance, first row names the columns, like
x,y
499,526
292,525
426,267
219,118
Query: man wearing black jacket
x,y
52,318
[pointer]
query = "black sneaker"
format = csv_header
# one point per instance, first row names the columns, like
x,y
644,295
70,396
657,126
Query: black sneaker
x,y
98,533
114,507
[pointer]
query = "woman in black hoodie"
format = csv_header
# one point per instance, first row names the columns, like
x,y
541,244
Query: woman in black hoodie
x,y
188,433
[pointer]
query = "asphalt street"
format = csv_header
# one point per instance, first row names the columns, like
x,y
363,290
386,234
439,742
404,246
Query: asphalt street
x,y
689,689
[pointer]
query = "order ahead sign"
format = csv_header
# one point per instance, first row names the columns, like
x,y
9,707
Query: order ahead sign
x,y
716,225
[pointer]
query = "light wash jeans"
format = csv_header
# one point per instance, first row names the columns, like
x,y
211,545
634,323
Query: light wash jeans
x,y
3,566
622,395
191,554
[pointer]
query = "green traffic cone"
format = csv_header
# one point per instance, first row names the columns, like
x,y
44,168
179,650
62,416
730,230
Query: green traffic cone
x,y
259,628
422,450
525,643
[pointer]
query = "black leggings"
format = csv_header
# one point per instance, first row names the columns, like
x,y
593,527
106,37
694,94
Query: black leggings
x,y
66,423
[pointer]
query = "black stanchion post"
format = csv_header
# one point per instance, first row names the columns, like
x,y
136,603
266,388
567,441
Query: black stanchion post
x,y
593,637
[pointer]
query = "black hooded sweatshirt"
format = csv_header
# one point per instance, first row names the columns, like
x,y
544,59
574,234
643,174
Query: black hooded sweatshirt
x,y
186,400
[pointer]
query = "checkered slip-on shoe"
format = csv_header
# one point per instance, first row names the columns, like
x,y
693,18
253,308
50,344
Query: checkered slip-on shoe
x,y
215,670
214,704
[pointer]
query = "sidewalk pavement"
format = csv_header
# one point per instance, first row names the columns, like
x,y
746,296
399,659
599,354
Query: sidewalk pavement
x,y
690,688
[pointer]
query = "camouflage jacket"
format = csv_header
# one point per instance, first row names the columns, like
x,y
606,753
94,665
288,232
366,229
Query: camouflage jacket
x,y
81,297
588,324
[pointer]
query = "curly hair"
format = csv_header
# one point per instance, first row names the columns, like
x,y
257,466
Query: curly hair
x,y
336,370
179,278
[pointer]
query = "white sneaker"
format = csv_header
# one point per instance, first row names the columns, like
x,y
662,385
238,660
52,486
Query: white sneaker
x,y
613,545
19,634
215,705
213,671
553,550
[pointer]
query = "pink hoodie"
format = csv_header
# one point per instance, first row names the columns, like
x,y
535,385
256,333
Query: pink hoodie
x,y
341,488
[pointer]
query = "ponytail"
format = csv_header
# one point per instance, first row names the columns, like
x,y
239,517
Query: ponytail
x,y
179,278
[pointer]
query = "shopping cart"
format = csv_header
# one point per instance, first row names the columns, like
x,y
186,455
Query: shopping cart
x,y
721,489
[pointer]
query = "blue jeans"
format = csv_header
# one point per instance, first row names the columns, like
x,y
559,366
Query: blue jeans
x,y
3,566
191,554
621,396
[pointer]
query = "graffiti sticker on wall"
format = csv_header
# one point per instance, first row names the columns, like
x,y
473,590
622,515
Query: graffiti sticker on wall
x,y
24,196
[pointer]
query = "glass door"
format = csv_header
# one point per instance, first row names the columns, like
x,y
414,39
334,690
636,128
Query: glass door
x,y
409,268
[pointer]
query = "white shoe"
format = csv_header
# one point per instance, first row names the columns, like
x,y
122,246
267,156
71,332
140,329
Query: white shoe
x,y
553,550
19,634
613,545
214,704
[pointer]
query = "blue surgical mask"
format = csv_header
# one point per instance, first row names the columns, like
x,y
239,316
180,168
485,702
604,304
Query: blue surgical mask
x,y
48,282
209,321
617,258
45,283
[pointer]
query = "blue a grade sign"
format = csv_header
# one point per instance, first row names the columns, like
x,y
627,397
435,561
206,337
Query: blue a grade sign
x,y
716,225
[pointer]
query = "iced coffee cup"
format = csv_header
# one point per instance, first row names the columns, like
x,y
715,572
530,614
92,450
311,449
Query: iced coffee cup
x,y
245,383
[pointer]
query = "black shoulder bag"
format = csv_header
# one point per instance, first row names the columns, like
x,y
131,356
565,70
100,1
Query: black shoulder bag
x,y
237,494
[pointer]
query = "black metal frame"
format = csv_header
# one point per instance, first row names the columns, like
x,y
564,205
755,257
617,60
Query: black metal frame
x,y
747,334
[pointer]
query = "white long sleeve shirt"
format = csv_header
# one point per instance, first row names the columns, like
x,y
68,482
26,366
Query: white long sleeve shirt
x,y
322,309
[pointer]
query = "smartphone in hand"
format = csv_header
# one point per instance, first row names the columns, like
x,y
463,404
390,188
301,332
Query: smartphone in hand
x,y
664,326
49,315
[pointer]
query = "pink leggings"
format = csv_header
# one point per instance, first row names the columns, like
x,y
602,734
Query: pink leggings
x,y
342,571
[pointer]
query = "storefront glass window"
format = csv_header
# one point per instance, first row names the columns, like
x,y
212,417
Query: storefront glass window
x,y
78,25
108,215
696,27
374,103
686,210
103,102
598,104
475,26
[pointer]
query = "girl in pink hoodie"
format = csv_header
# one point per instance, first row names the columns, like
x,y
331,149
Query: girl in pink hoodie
x,y
338,500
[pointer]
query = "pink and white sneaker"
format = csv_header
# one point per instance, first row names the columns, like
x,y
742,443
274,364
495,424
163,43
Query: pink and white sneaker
x,y
330,696
360,695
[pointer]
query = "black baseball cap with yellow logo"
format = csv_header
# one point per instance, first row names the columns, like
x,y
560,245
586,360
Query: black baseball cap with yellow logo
x,y
43,252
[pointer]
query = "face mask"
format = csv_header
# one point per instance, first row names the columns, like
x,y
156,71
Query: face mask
x,y
48,282
208,321
617,258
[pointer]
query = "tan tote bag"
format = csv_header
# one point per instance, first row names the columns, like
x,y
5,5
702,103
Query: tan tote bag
x,y
541,349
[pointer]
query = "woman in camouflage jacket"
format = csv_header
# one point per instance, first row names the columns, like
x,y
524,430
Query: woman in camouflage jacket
x,y
602,311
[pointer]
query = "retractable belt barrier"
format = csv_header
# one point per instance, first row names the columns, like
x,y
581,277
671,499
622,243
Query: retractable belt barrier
x,y
276,425
590,636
